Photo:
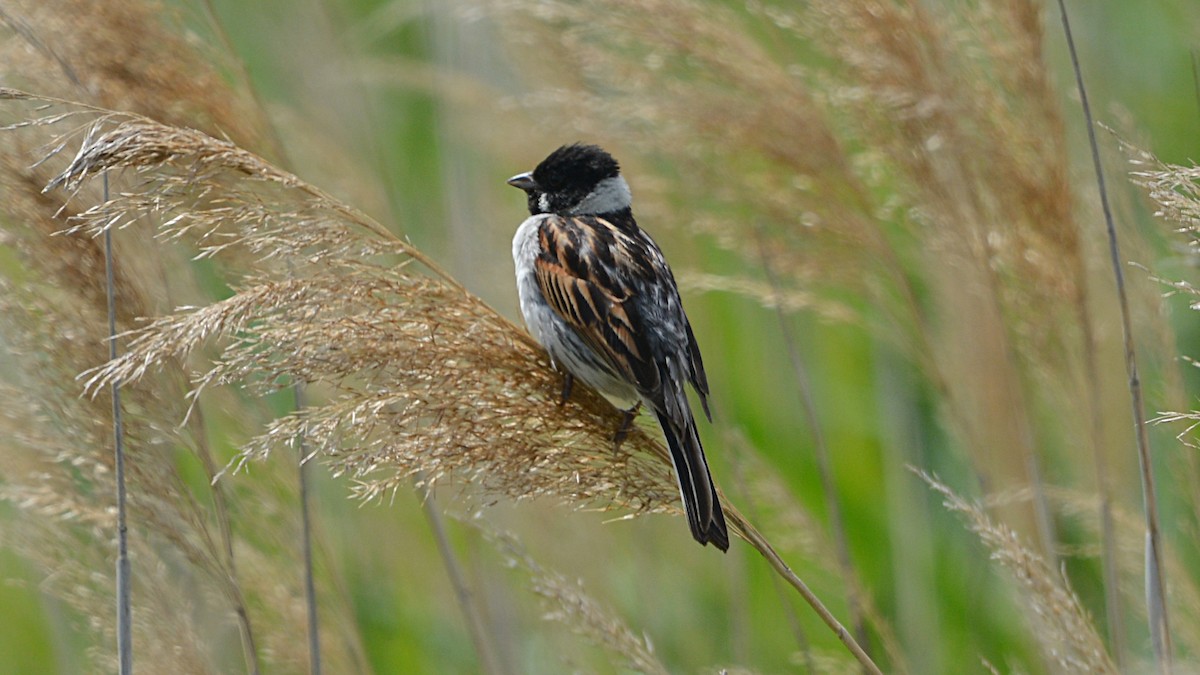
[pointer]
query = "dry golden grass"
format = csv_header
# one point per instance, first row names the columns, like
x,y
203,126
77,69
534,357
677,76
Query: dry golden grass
x,y
192,597
82,50
423,376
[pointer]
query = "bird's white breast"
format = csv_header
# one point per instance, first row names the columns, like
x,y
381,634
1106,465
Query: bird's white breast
x,y
525,248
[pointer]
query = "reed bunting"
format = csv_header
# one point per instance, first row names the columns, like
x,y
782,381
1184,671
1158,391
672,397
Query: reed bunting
x,y
598,294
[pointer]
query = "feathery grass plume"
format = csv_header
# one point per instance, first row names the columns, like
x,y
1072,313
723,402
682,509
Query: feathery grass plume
x,y
959,103
1080,508
57,473
1061,626
183,544
82,50
57,332
182,555
1175,190
422,376
51,333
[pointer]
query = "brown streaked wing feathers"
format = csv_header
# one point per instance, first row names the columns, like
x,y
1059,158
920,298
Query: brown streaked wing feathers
x,y
598,314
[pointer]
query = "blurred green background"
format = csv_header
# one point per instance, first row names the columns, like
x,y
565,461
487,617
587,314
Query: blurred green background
x,y
417,112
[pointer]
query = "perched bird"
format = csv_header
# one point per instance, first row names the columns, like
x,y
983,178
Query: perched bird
x,y
598,294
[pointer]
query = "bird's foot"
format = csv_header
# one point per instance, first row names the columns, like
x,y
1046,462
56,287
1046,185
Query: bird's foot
x,y
626,425
568,382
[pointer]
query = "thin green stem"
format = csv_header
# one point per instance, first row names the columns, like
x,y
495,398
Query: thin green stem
x,y
124,599
1156,597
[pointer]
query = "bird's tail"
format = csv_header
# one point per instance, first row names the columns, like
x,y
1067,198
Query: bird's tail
x,y
695,482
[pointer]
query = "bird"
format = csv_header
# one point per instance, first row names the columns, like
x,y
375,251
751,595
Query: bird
x,y
597,293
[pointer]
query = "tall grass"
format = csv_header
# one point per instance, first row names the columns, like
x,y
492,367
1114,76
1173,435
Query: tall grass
x,y
898,181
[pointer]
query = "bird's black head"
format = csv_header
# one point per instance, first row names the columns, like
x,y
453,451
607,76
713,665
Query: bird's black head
x,y
575,180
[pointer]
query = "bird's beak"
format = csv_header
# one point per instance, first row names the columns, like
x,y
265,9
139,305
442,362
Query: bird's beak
x,y
524,181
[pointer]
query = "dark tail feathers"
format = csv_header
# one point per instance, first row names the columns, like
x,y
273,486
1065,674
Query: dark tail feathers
x,y
695,482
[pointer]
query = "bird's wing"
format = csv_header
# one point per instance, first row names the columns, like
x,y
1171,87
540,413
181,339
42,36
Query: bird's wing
x,y
587,271
617,292
697,375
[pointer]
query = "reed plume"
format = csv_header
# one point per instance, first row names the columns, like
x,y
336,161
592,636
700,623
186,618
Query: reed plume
x,y
421,375
199,577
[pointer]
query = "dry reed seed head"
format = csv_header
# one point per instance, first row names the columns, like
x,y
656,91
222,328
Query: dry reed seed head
x,y
420,385
414,363
56,335
1175,189
34,220
988,231
1063,629
81,50
155,75
54,474
986,166
471,412
689,59
139,143
211,195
